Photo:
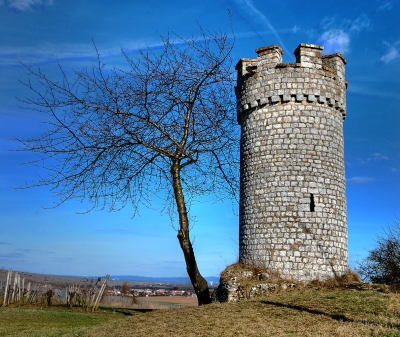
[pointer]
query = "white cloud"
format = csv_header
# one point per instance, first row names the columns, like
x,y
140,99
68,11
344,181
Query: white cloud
x,y
337,33
335,40
23,5
360,180
392,54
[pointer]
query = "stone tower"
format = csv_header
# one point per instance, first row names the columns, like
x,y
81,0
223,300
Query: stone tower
x,y
292,213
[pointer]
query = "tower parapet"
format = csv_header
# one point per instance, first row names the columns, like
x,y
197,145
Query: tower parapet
x,y
312,78
292,209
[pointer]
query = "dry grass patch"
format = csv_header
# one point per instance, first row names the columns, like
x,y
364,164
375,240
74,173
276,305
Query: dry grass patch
x,y
178,300
306,312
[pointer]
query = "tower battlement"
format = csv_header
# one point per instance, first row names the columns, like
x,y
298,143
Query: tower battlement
x,y
313,78
292,211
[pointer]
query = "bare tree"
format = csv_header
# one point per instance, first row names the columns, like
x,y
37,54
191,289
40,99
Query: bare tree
x,y
166,127
382,265
125,289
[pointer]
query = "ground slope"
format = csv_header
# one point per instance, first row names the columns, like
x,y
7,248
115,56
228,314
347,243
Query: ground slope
x,y
307,312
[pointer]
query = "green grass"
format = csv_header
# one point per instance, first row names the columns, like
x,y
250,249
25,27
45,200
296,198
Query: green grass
x,y
298,312
50,322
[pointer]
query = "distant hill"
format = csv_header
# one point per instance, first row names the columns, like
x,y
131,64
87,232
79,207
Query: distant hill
x,y
69,279
213,279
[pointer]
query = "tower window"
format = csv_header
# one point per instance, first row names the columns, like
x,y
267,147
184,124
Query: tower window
x,y
312,203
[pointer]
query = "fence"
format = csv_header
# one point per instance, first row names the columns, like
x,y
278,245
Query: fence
x,y
15,292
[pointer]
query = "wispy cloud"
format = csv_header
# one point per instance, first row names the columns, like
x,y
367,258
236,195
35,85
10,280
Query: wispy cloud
x,y
46,53
123,230
12,256
4,243
12,56
262,18
360,24
336,34
377,157
23,5
50,53
360,87
65,259
373,159
28,250
385,6
360,180
392,52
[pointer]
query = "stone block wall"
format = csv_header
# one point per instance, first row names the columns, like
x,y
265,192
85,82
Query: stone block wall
x,y
292,213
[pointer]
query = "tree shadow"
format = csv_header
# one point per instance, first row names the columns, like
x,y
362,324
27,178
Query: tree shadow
x,y
336,317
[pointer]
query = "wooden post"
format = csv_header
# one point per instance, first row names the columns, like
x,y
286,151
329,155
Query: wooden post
x,y
18,290
28,293
72,294
100,294
93,293
7,288
13,296
23,290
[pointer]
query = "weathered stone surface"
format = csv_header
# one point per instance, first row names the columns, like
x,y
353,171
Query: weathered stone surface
x,y
231,291
292,213
239,284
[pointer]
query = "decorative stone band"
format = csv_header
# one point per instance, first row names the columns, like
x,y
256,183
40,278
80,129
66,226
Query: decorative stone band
x,y
282,99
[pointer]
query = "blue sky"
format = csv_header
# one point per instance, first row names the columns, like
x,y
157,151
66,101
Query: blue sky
x,y
60,241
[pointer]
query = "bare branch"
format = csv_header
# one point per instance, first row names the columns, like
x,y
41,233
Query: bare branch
x,y
166,127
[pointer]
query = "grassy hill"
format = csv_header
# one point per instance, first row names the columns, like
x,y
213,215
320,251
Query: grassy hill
x,y
308,312
299,312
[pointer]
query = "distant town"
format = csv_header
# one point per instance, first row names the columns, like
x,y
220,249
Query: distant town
x,y
150,292
139,289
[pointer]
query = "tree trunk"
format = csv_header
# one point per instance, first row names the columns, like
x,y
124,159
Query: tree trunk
x,y
199,283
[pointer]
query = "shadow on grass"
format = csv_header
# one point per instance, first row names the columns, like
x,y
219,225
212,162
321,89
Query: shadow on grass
x,y
127,311
337,317
130,312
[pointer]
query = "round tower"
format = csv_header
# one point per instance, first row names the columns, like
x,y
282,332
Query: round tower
x,y
292,213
